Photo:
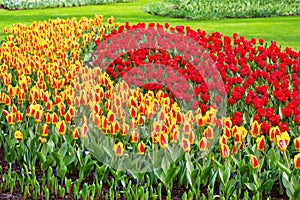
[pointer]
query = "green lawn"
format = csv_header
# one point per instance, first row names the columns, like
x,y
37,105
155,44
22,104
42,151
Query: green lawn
x,y
284,30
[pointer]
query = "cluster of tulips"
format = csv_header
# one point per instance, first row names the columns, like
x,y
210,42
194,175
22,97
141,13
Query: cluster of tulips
x,y
46,90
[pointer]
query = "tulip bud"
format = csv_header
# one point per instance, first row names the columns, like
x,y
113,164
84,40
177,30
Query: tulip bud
x,y
203,144
141,148
255,129
297,161
186,145
297,143
260,143
254,162
18,135
119,149
45,130
224,150
208,133
61,128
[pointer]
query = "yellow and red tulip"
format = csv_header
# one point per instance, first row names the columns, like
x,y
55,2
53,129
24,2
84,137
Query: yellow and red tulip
x,y
84,131
110,116
45,130
297,143
297,161
226,122
19,117
186,145
54,118
255,129
283,141
119,149
224,148
260,143
18,135
273,133
163,140
254,162
203,144
141,148
75,134
61,128
134,137
209,133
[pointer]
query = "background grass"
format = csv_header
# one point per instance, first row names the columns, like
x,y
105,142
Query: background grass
x,y
284,30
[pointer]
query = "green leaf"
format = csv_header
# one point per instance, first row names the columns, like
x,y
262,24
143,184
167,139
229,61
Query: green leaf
x,y
69,159
284,168
251,186
58,158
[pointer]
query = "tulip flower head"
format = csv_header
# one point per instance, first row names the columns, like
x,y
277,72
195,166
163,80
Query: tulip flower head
x,y
119,149
18,135
203,144
254,162
297,161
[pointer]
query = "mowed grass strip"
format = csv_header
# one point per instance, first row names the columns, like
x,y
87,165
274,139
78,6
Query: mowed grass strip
x,y
284,30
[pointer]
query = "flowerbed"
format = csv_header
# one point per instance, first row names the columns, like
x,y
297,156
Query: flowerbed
x,y
64,118
215,9
34,4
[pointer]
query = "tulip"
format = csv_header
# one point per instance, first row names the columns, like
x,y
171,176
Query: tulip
x,y
54,118
226,122
260,143
186,145
125,129
61,128
297,161
84,131
234,150
75,134
208,133
255,129
19,117
141,148
226,132
273,133
139,120
297,143
224,150
10,119
119,149
155,137
68,117
110,116
203,144
45,130
133,112
114,128
42,140
163,140
223,140
38,116
18,135
133,137
254,162
174,136
283,141
200,120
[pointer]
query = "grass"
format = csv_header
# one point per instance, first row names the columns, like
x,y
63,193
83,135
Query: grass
x,y
284,30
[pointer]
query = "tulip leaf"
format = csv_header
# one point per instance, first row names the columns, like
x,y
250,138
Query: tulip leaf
x,y
251,186
284,168
69,159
